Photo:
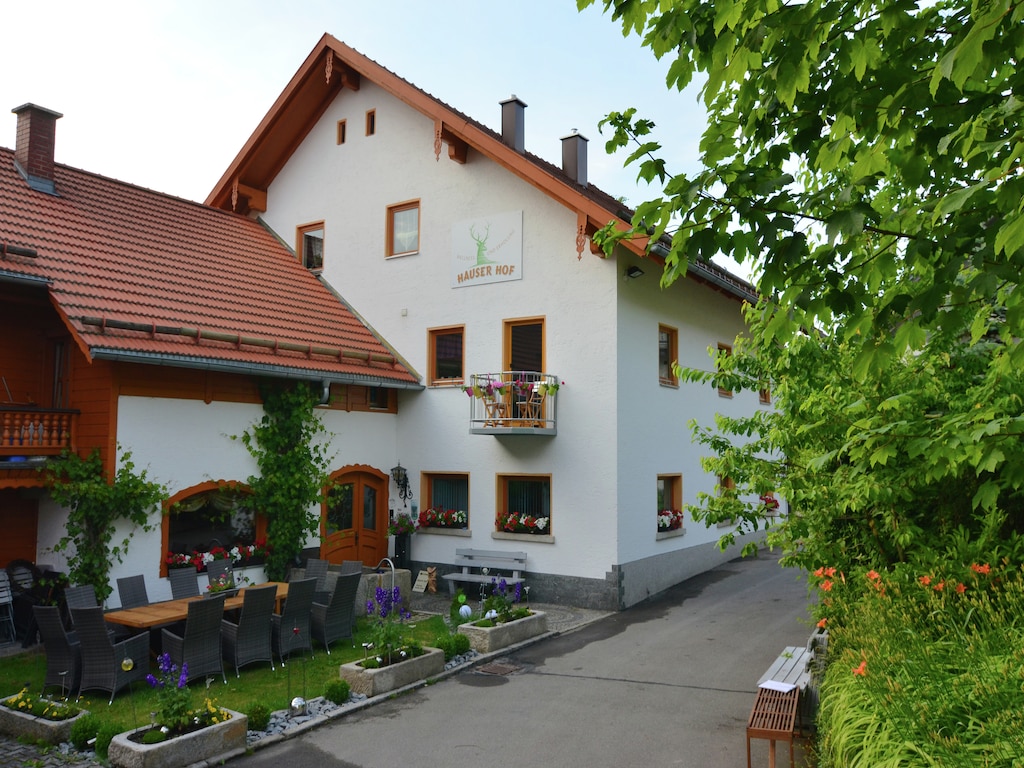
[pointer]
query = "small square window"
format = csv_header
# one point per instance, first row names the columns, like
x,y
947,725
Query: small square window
x,y
670,503
668,354
524,504
446,354
403,229
371,122
310,246
764,396
341,131
724,350
379,398
446,500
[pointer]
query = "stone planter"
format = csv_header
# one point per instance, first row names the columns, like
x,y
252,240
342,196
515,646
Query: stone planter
x,y
213,744
490,639
32,728
372,682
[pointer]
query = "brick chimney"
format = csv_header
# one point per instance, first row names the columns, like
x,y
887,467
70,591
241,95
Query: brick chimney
x,y
33,151
513,123
574,157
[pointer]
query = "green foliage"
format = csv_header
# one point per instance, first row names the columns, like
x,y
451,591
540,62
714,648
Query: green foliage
x,y
259,716
154,736
293,471
95,507
108,730
925,667
453,644
337,691
40,706
84,729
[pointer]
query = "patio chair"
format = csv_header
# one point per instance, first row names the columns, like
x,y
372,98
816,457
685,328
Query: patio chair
x,y
336,619
82,596
217,568
7,607
291,626
249,641
199,645
132,591
103,660
184,582
63,651
352,566
317,569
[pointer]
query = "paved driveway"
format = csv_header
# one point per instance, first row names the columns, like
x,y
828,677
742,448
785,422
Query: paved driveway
x,y
667,683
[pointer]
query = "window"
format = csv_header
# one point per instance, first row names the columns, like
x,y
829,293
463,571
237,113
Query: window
x,y
403,229
341,131
379,398
208,516
764,396
724,350
667,354
524,504
727,488
446,500
445,355
371,122
310,245
670,492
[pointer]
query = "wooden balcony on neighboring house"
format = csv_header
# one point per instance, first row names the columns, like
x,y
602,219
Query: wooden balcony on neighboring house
x,y
30,431
513,403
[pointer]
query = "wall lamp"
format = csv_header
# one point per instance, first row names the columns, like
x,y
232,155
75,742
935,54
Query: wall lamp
x,y
401,478
632,273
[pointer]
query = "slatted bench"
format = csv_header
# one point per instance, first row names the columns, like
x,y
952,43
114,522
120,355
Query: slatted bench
x,y
774,714
472,561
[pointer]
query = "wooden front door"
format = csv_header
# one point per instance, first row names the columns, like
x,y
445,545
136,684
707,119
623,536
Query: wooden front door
x,y
354,517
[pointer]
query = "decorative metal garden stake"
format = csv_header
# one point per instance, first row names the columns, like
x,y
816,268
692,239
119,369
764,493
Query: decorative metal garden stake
x,y
127,665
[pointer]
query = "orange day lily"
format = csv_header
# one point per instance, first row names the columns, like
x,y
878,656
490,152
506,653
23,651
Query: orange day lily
x,y
822,623
861,669
826,585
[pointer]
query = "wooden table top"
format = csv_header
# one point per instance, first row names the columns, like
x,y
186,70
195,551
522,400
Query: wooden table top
x,y
170,611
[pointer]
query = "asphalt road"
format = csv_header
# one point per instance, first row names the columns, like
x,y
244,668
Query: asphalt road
x,y
667,683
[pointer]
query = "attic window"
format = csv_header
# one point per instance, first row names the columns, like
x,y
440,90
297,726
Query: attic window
x,y
371,122
341,131
310,245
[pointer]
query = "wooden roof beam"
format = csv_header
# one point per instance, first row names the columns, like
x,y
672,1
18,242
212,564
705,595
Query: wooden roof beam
x,y
458,150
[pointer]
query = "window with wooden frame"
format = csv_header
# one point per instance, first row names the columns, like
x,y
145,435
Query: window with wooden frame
x,y
379,398
371,122
342,127
445,355
668,353
764,396
309,245
726,487
670,492
524,504
445,498
403,229
724,350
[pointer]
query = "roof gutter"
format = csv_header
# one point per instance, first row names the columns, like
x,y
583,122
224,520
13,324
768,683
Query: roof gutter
x,y
259,369
6,276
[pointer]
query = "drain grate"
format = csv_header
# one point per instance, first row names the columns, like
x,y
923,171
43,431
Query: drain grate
x,y
498,668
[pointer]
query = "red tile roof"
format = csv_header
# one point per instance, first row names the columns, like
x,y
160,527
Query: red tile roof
x,y
144,276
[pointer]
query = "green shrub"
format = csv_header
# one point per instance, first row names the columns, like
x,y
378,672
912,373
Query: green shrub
x,y
84,730
259,716
106,734
153,736
337,691
453,644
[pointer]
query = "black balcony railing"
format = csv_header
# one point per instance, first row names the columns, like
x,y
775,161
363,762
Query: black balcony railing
x,y
513,402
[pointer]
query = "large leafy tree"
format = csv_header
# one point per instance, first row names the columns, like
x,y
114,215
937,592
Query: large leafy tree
x,y
865,160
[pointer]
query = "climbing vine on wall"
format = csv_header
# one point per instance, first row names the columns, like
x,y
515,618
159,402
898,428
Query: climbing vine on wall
x,y
95,506
293,469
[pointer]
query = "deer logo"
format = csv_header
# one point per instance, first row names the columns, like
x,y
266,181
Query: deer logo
x,y
481,244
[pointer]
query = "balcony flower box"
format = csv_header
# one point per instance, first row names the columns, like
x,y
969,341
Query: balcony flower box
x,y
212,744
491,639
373,682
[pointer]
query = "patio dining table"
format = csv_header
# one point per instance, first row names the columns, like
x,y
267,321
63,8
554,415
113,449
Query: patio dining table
x,y
171,611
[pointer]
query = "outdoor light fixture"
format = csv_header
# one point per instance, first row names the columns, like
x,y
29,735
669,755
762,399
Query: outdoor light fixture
x,y
401,478
633,272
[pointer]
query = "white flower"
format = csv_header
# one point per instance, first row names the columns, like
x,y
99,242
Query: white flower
x,y
491,614
542,523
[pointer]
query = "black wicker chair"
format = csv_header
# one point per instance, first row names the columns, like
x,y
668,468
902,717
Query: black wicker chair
x,y
82,596
217,568
63,651
317,569
248,641
199,646
336,619
103,666
132,591
291,627
351,566
184,582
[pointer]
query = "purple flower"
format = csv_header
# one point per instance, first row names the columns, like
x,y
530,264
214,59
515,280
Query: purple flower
x,y
397,596
153,682
183,680
519,591
165,663
369,607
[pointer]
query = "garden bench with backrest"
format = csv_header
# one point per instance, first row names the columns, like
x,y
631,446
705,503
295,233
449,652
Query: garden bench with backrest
x,y
780,691
473,562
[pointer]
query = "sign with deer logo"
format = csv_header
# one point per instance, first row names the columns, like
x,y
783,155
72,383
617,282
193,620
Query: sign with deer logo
x,y
487,249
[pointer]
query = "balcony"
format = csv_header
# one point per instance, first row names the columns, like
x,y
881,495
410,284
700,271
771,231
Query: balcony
x,y
513,403
27,431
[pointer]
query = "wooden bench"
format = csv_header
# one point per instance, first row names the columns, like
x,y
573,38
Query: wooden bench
x,y
472,561
774,714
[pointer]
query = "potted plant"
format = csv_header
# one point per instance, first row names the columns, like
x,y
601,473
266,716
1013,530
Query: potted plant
x,y
515,522
390,661
182,735
38,718
504,620
443,518
402,526
670,520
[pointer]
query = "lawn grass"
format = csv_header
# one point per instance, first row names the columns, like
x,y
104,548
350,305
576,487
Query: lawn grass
x,y
303,676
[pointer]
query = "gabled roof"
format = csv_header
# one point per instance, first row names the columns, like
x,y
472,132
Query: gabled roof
x,y
332,67
144,277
